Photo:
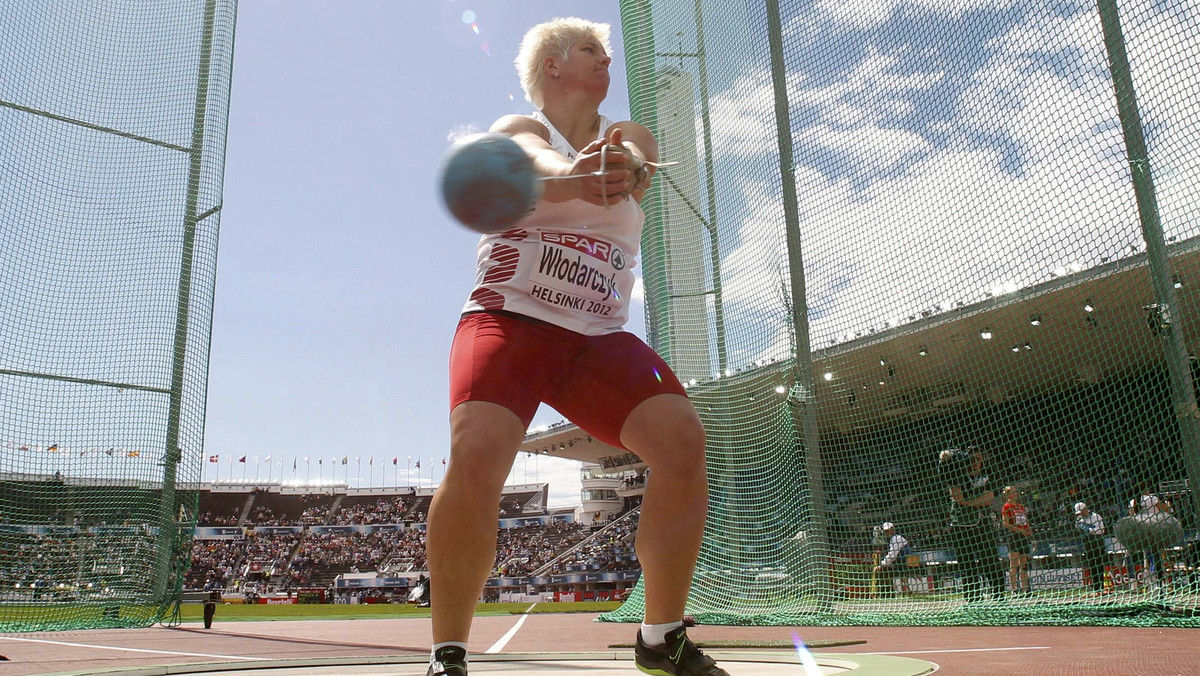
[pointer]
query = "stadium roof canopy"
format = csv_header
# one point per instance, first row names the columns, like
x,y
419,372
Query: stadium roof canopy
x,y
1035,339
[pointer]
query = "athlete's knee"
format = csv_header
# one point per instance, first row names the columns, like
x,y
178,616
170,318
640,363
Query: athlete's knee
x,y
479,461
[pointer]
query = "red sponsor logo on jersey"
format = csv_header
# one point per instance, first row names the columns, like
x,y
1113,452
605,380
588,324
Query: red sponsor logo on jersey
x,y
596,248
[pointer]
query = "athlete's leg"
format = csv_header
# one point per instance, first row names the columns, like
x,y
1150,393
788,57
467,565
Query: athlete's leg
x,y
496,364
624,394
665,432
1014,567
461,529
1023,564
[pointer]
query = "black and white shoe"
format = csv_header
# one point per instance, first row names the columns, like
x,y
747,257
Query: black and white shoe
x,y
448,661
679,657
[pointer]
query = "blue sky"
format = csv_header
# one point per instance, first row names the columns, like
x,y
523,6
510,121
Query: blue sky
x,y
340,276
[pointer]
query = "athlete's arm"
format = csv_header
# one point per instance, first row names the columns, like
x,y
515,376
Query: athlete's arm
x,y
534,138
1007,520
982,501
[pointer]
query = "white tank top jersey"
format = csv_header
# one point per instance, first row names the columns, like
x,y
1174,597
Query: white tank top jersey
x,y
567,263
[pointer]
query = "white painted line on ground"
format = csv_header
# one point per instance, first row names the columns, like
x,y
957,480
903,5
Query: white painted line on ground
x,y
959,650
499,645
132,650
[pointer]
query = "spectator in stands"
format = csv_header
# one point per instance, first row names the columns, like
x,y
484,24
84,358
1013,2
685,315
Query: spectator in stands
x,y
1091,528
1018,535
971,530
890,567
513,351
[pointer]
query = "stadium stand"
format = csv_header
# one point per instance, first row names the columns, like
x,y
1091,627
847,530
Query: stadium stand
x,y
288,542
220,508
59,502
369,509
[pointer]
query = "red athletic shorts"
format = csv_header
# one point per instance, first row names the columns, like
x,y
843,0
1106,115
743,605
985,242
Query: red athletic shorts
x,y
518,363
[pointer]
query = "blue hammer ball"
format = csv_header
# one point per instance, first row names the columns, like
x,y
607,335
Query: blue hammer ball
x,y
488,182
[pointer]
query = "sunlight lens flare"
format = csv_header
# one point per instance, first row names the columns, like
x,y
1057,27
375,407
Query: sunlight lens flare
x,y
656,375
468,17
806,658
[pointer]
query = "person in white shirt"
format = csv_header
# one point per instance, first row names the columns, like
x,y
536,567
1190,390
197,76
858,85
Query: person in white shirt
x,y
1091,526
896,556
1147,509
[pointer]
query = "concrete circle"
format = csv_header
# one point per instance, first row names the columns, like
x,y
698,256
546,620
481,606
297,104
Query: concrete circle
x,y
618,663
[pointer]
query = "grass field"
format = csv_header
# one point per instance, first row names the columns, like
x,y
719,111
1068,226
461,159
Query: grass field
x,y
194,612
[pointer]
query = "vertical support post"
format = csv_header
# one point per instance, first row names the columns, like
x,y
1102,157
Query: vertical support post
x,y
710,187
804,410
1183,392
166,582
640,69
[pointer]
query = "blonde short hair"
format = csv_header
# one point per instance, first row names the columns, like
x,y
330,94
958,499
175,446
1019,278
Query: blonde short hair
x,y
553,38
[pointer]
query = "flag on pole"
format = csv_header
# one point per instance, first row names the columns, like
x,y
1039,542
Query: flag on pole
x,y
320,460
418,465
395,461
268,458
214,458
242,459
294,463
53,448
371,460
133,454
443,461
110,451
345,459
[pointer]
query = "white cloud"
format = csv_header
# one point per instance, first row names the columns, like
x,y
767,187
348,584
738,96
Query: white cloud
x,y
1165,56
461,130
947,213
561,474
870,13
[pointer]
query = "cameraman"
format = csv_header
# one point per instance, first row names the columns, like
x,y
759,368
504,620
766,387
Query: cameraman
x,y
971,528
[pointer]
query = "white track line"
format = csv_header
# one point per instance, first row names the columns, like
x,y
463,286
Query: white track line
x,y
499,645
132,650
959,650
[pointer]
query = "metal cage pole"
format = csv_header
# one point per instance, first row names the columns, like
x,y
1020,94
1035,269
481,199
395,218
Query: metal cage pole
x,y
1164,314
801,401
165,580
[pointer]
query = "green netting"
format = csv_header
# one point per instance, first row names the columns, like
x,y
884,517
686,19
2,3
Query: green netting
x,y
900,228
112,140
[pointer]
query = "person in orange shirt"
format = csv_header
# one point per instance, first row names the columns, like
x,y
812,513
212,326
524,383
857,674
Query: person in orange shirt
x,y
1019,536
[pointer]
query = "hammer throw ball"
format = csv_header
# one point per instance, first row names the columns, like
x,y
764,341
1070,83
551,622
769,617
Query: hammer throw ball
x,y
488,182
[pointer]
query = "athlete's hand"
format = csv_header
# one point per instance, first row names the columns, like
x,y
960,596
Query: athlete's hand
x,y
619,178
